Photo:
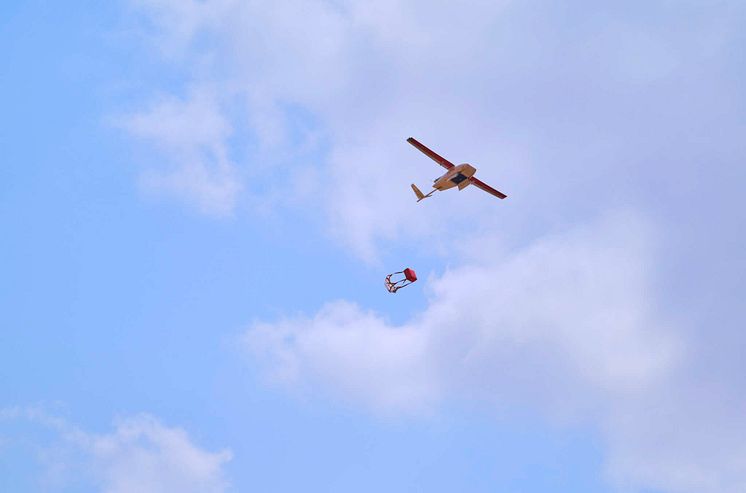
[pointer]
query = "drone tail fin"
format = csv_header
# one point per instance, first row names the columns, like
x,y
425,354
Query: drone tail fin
x,y
418,193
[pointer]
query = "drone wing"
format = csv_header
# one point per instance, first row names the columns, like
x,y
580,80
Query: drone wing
x,y
487,188
427,152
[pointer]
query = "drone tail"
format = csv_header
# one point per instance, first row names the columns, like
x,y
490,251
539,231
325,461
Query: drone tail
x,y
418,193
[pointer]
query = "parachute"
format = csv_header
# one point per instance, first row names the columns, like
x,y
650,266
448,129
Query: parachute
x,y
395,282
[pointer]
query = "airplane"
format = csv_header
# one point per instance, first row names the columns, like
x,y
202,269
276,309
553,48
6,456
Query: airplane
x,y
461,176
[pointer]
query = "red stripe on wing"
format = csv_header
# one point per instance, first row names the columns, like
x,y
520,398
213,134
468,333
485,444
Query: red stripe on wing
x,y
487,188
427,152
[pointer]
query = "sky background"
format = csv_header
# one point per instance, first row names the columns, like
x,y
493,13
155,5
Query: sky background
x,y
199,201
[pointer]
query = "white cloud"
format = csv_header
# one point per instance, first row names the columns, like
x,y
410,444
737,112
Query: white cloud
x,y
568,325
568,318
348,65
141,455
354,352
173,24
193,134
519,94
570,120
687,437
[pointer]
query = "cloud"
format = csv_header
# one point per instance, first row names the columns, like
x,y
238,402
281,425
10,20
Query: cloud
x,y
344,64
193,133
172,25
567,321
140,455
686,437
569,326
571,110
353,352
528,95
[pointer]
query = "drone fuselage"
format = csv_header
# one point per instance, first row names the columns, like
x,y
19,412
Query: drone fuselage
x,y
458,176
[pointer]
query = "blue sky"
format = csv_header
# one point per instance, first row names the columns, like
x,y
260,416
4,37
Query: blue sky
x,y
200,201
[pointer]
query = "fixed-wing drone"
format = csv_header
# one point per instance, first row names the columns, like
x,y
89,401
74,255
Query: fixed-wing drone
x,y
461,176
